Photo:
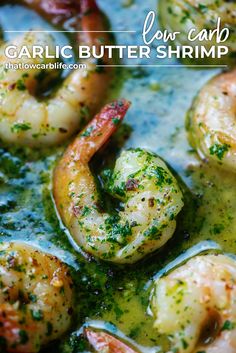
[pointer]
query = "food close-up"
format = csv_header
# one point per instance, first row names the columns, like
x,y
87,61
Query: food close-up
x,y
117,176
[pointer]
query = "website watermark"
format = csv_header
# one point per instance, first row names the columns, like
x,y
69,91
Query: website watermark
x,y
45,66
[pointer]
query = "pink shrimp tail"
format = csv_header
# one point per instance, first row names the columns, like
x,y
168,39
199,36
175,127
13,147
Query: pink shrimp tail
x,y
103,342
88,5
59,11
56,11
99,130
60,7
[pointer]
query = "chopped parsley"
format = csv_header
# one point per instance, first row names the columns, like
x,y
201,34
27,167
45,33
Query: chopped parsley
x,y
203,8
20,85
116,120
23,336
228,325
219,150
37,315
87,132
18,127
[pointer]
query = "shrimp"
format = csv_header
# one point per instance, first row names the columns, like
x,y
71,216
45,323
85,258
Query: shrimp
x,y
211,121
195,305
149,193
185,15
57,11
27,120
102,342
36,298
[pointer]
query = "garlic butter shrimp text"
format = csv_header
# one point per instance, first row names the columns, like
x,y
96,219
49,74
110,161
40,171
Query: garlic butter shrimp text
x,y
212,121
149,193
27,120
36,298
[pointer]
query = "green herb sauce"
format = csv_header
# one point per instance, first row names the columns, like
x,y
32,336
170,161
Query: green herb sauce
x,y
111,297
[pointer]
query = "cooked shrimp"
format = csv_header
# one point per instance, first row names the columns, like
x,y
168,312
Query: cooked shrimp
x,y
149,193
195,305
36,298
185,15
212,122
102,342
26,120
57,11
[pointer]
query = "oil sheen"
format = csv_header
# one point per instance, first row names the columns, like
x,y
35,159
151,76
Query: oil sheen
x,y
110,297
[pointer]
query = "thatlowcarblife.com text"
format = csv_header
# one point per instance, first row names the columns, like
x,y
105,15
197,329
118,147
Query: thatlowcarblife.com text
x,y
41,66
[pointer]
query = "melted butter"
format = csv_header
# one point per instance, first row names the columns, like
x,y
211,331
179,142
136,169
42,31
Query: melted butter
x,y
160,99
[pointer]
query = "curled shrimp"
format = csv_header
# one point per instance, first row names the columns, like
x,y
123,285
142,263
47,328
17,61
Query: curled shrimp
x,y
149,193
36,298
27,120
195,305
185,15
211,121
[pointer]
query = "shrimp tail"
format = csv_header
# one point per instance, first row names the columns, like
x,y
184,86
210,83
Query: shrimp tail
x,y
87,6
103,342
99,130
59,11
56,11
93,24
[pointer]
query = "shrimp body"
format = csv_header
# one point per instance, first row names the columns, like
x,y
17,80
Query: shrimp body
x,y
212,121
195,305
141,181
197,15
27,120
36,296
